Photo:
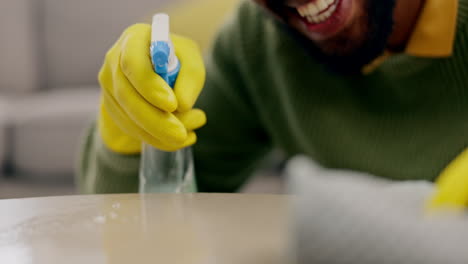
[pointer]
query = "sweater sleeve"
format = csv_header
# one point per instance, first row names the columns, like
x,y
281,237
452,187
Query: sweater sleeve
x,y
229,147
234,141
104,171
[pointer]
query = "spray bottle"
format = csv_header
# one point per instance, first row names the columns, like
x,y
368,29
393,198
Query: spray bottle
x,y
160,171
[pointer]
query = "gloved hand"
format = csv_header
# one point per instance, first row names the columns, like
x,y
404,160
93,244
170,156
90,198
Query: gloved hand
x,y
452,185
138,106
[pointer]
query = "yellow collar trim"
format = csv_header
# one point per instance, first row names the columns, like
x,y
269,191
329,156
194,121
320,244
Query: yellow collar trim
x,y
434,33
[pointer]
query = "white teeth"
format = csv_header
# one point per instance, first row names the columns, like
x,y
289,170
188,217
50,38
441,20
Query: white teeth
x,y
321,18
314,11
321,4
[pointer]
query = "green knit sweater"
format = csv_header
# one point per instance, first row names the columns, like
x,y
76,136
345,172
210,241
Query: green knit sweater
x,y
406,120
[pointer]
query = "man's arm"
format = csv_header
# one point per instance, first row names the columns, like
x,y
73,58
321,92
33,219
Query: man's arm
x,y
228,148
103,171
233,141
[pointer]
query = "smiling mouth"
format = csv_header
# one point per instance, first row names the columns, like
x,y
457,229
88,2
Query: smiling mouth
x,y
318,19
319,11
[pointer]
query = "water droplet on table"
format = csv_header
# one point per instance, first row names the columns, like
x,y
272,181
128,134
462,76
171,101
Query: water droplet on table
x,y
113,215
100,219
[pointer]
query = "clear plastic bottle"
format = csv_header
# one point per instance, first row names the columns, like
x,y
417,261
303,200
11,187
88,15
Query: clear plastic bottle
x,y
166,172
160,171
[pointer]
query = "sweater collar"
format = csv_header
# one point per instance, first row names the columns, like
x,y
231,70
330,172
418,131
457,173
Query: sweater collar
x,y
434,33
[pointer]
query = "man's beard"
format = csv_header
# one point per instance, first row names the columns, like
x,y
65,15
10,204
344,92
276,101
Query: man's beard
x,y
379,27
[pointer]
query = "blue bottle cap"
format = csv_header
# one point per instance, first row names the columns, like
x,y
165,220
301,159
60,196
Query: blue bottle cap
x,y
160,52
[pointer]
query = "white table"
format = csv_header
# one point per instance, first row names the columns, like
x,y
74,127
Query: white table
x,y
159,228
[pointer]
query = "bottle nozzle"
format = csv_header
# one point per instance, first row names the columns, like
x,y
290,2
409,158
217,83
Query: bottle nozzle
x,y
160,52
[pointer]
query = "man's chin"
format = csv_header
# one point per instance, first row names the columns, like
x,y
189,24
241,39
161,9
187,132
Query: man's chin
x,y
342,44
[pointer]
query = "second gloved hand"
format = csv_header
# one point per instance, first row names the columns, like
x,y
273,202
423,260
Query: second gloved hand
x,y
138,106
452,186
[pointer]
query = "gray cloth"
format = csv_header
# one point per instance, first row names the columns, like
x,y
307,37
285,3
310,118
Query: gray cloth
x,y
350,217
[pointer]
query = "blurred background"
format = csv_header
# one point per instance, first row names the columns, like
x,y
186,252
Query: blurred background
x,y
50,54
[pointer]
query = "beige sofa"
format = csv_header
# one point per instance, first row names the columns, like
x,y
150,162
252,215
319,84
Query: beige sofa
x,y
50,53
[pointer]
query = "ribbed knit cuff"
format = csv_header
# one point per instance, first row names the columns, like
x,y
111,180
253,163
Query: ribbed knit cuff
x,y
118,173
104,171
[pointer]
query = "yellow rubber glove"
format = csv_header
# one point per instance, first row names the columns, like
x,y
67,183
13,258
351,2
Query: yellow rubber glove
x,y
138,106
452,186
